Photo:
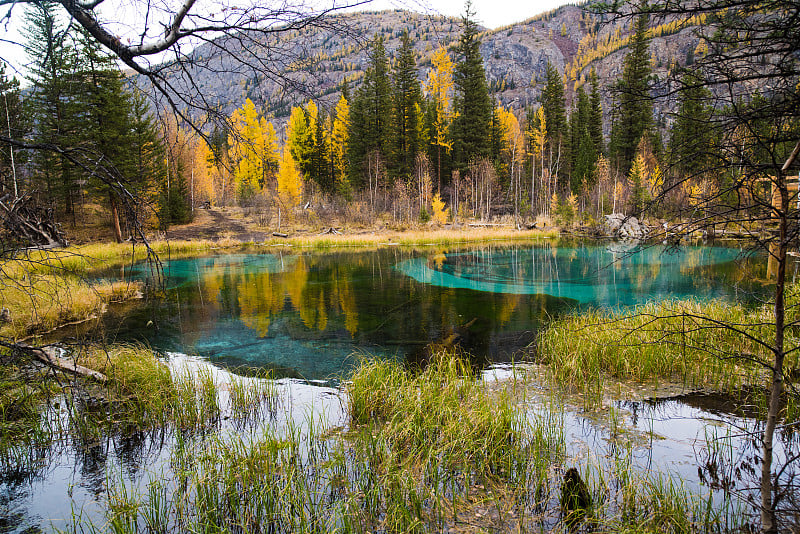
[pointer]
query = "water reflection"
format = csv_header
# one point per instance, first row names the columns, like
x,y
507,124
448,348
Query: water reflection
x,y
304,315
598,275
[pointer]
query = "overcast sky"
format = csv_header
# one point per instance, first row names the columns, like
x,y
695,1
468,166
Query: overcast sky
x,y
489,13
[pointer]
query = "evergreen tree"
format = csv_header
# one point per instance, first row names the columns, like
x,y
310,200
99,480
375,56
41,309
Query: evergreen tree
x,y
321,167
371,114
472,125
300,133
52,104
596,114
106,113
634,111
407,96
555,110
582,149
692,140
146,151
12,125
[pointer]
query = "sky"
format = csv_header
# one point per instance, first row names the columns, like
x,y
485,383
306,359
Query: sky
x,y
488,13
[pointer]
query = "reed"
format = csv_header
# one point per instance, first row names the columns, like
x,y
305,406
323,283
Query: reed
x,y
445,451
415,238
40,303
711,344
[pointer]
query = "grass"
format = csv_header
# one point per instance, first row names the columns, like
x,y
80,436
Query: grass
x,y
684,341
84,259
444,453
39,303
415,238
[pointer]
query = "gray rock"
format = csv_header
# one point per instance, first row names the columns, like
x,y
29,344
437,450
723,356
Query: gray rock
x,y
625,227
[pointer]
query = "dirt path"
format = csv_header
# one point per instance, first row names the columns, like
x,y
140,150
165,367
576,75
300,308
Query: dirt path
x,y
214,224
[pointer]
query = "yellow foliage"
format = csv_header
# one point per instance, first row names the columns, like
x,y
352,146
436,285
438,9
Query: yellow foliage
x,y
572,203
339,138
439,87
440,213
290,183
554,204
253,148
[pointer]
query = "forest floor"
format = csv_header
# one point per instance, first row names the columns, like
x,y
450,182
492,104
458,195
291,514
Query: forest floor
x,y
234,224
215,224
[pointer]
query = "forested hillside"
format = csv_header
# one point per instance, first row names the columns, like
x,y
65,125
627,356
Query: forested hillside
x,y
392,116
515,57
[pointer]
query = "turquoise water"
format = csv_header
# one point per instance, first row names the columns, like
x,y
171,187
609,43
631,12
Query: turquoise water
x,y
312,316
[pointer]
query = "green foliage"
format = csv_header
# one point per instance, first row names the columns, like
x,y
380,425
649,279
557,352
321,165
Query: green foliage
x,y
675,340
583,152
54,103
371,127
174,205
13,124
407,98
554,108
471,127
79,103
692,139
633,116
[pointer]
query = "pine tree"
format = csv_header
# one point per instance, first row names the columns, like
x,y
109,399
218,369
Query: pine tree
x,y
473,108
555,110
13,126
371,115
407,96
147,151
300,132
692,140
321,166
106,115
596,115
582,150
634,111
52,103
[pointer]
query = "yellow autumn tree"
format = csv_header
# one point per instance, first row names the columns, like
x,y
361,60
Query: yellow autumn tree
x,y
290,182
253,150
203,167
339,139
440,213
439,87
512,136
537,137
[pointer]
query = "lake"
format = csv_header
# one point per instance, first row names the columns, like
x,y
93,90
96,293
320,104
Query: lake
x,y
312,315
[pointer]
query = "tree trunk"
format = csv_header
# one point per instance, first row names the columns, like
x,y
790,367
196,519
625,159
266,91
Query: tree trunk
x,y
115,216
768,519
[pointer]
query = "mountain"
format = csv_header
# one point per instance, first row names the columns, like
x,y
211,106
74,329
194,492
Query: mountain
x,y
313,62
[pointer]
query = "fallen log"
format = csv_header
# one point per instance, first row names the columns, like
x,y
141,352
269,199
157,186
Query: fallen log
x,y
48,356
279,234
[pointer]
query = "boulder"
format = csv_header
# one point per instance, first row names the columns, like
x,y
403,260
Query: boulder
x,y
624,226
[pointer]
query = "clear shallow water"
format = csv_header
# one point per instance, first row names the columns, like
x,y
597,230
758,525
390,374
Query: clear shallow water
x,y
310,316
68,484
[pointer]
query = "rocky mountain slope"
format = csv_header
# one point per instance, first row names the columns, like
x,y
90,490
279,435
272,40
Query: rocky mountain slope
x,y
313,63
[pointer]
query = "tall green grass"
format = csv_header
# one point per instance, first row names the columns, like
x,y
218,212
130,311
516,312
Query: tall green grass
x,y
713,345
444,453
